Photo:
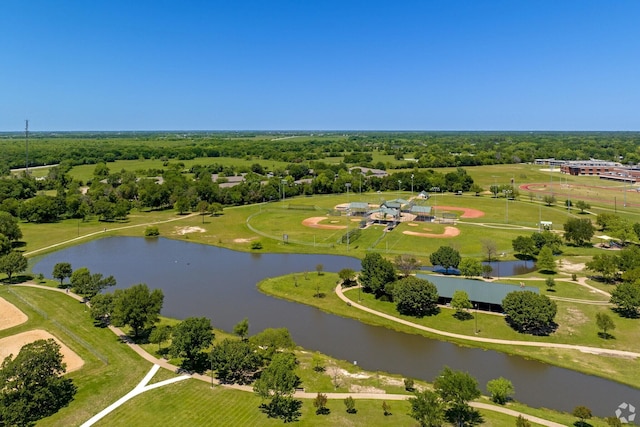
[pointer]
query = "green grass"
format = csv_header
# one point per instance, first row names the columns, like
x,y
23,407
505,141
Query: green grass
x,y
99,384
577,327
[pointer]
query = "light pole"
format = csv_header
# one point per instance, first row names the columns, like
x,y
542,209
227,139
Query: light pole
x,y
435,190
507,194
476,317
211,360
411,185
348,185
399,183
283,182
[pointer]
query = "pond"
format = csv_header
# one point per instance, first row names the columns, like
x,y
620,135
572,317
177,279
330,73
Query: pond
x,y
200,280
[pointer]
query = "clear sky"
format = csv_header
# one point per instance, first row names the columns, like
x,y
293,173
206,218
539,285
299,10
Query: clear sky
x,y
320,65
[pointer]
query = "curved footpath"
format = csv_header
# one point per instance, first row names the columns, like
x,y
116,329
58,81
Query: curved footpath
x,y
142,387
584,349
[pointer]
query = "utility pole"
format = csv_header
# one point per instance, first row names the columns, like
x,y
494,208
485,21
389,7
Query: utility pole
x,y
26,137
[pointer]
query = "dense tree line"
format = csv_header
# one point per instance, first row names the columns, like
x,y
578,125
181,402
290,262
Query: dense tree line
x,y
426,149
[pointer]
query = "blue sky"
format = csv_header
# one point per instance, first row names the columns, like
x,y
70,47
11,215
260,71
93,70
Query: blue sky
x,y
320,65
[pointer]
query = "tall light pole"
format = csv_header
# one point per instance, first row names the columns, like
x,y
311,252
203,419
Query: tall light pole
x,y
399,183
476,317
283,182
348,185
507,194
411,185
435,190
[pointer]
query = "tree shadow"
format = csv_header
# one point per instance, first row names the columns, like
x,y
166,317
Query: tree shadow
x,y
606,336
15,280
463,315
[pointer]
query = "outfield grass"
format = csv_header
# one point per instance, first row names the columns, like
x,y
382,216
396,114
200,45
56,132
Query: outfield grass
x,y
577,327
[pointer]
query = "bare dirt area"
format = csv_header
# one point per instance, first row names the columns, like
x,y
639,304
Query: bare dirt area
x,y
10,315
242,240
314,222
448,232
186,230
466,212
13,344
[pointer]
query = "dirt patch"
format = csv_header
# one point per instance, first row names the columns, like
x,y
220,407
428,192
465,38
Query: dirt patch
x,y
466,212
242,240
13,344
570,267
10,315
314,222
186,230
354,388
412,224
448,232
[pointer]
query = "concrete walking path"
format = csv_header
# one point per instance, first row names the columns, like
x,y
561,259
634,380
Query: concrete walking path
x,y
162,363
584,349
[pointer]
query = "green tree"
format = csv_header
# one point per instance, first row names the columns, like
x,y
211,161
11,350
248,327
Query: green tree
x,y
476,189
137,307
11,263
461,304
278,382
582,205
203,209
529,312
376,273
242,329
347,276
31,384
415,296
626,298
350,405
406,264
605,322
470,267
427,409
524,245
5,245
578,230
547,238
522,422
189,338
545,260
550,283
160,334
549,199
320,403
604,264
61,271
235,362
446,257
582,413
9,226
456,389
89,285
271,340
101,308
500,389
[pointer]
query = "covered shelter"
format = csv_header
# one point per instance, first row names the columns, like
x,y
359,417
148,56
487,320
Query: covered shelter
x,y
358,208
486,296
422,213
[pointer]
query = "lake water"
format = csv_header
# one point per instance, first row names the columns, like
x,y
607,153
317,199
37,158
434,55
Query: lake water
x,y
200,280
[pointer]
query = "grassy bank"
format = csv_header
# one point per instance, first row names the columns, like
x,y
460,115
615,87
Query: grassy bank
x,y
577,327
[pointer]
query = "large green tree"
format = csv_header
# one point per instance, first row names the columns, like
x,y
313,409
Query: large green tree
x,y
461,304
13,262
446,257
189,338
456,389
278,382
31,384
500,389
272,340
415,297
470,267
604,264
61,271
545,261
235,361
88,285
376,273
137,307
524,245
626,298
427,409
529,312
9,226
578,230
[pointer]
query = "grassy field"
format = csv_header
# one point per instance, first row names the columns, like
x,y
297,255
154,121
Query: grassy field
x,y
191,402
577,327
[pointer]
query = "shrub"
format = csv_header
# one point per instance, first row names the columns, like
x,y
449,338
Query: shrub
x,y
151,231
408,384
256,245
